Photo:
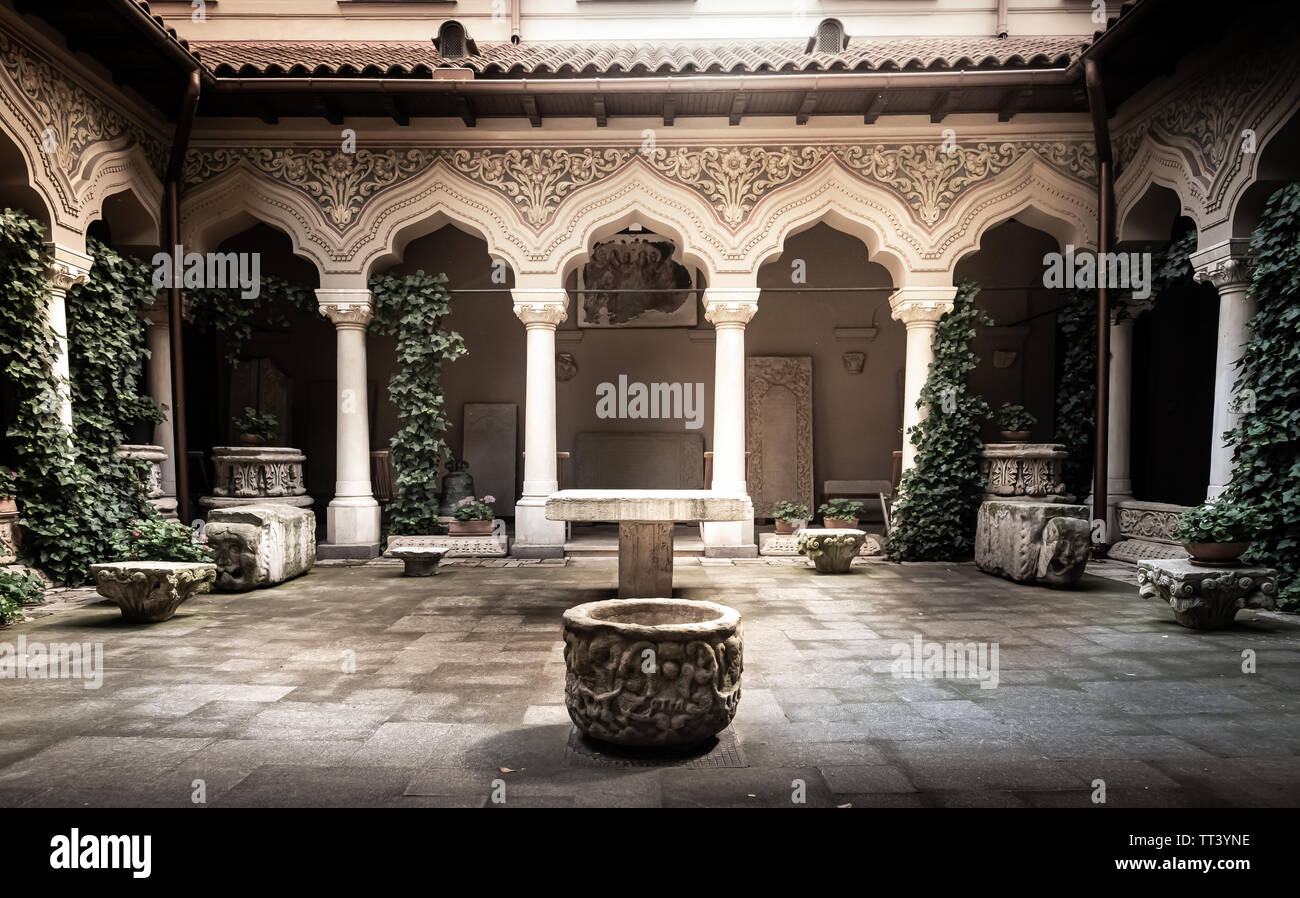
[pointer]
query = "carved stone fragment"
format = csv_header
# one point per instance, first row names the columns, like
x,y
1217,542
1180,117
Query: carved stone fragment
x,y
1033,542
255,546
151,591
831,550
1206,598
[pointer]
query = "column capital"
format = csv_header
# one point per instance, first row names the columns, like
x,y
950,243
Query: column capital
x,y
730,305
1225,265
346,308
68,267
922,306
544,307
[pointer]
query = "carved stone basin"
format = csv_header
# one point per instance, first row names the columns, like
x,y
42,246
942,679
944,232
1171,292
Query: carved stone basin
x,y
652,672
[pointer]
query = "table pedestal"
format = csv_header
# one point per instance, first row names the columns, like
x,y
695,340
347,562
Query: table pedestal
x,y
645,560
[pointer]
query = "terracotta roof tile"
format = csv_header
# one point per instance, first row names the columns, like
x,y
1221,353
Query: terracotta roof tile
x,y
591,58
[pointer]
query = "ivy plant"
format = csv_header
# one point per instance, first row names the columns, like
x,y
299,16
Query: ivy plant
x,y
413,307
1266,438
18,588
72,487
231,317
1076,390
939,497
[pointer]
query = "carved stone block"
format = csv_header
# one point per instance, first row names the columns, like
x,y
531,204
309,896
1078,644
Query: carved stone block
x,y
1033,542
1146,530
10,534
1029,472
1206,598
832,550
151,591
493,546
255,546
788,544
243,475
652,672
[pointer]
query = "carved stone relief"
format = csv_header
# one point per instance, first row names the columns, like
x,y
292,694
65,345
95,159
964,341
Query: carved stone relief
x,y
778,431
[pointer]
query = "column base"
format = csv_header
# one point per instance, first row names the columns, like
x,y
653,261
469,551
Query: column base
x,y
535,536
729,539
351,528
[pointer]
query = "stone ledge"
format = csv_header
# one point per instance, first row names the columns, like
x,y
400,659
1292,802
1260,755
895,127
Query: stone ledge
x,y
487,546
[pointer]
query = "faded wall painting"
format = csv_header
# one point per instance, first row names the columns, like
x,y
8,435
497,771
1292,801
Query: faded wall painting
x,y
631,280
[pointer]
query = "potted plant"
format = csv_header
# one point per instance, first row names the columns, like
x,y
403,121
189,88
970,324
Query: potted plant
x,y
841,514
473,517
255,428
790,517
1217,533
1014,422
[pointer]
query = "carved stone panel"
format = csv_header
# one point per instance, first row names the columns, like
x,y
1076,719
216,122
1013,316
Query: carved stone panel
x,y
778,431
490,450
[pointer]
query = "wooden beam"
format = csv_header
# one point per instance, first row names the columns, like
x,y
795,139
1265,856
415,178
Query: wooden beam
x,y
670,109
396,109
530,107
598,110
945,103
264,110
806,107
738,100
1012,102
465,109
329,109
875,106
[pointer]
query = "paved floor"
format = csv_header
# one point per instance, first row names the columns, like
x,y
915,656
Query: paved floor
x,y
356,686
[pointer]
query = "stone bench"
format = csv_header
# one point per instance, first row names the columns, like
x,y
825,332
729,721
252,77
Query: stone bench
x,y
151,591
260,545
833,549
419,561
1206,598
1033,542
645,527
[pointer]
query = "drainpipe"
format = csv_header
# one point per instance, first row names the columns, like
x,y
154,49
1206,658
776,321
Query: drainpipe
x,y
1002,18
1105,229
172,217
515,14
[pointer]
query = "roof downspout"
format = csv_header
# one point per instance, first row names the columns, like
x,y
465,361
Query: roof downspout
x,y
172,217
1002,18
1105,234
515,15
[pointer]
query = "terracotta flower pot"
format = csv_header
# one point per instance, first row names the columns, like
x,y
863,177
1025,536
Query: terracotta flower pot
x,y
1216,553
1015,436
787,527
470,528
251,439
841,523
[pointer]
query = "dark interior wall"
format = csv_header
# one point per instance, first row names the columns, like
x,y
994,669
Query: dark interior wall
x,y
1009,269
1174,348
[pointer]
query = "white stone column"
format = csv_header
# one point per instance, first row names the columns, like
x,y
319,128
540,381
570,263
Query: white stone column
x,y
919,308
729,309
1226,267
1119,430
352,519
541,311
68,268
158,380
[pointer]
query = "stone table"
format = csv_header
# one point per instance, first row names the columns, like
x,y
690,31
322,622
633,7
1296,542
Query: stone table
x,y
645,528
1206,598
419,561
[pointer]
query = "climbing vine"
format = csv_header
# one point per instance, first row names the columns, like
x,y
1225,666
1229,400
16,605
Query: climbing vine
x,y
412,307
1266,439
939,498
1076,390
72,488
224,312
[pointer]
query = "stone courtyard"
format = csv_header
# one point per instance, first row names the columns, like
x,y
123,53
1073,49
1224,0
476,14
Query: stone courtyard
x,y
356,686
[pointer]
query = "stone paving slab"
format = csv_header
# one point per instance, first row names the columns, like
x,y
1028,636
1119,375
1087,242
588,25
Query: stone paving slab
x,y
357,686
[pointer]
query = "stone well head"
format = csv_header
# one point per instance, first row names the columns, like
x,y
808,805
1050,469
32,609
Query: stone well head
x,y
652,672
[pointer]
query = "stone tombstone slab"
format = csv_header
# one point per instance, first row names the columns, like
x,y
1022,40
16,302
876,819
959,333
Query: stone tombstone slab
x,y
606,460
1046,543
255,546
490,449
1206,598
778,431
